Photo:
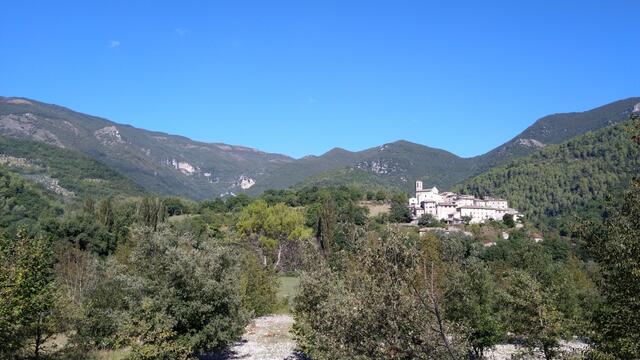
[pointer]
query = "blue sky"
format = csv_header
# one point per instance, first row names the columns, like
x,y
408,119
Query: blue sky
x,y
302,77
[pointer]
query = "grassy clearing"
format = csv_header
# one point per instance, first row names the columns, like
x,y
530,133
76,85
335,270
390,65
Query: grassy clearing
x,y
287,291
376,208
178,218
111,354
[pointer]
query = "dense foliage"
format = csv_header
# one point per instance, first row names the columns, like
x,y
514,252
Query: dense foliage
x,y
383,303
28,295
571,179
401,296
178,297
112,273
169,278
615,245
72,170
22,203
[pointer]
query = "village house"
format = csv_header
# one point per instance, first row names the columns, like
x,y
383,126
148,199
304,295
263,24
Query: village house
x,y
454,208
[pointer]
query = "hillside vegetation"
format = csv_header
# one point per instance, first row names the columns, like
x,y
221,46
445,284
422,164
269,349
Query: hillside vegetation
x,y
573,178
174,165
397,165
22,203
66,172
159,162
556,129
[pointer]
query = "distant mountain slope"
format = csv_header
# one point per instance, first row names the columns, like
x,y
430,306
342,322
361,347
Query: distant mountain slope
x,y
175,165
405,162
68,173
555,129
571,178
396,164
160,162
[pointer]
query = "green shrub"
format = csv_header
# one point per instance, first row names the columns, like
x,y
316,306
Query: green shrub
x,y
173,297
260,286
385,302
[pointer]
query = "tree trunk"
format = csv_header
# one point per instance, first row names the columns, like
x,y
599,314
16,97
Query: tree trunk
x,y
275,266
436,312
38,342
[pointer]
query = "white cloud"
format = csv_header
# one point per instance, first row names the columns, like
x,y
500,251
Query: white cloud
x,y
114,43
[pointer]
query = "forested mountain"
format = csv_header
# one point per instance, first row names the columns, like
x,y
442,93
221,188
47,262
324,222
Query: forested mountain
x,y
65,172
396,165
161,163
575,177
399,164
175,165
555,129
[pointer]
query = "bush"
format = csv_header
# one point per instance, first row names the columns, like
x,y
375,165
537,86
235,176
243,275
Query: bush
x,y
429,221
173,298
400,211
384,303
508,221
260,286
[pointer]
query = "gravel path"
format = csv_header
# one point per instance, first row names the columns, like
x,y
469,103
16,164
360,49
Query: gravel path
x,y
506,352
266,338
269,338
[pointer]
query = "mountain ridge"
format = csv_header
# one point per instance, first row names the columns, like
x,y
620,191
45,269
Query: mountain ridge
x,y
160,162
575,177
177,165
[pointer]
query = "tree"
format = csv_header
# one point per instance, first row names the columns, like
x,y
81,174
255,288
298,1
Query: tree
x,y
28,295
189,296
381,195
370,195
471,300
89,205
327,224
175,206
259,286
174,297
507,219
532,313
429,221
615,245
385,302
237,202
151,212
105,214
400,211
272,229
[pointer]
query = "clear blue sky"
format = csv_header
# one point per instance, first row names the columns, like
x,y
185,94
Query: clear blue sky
x,y
300,77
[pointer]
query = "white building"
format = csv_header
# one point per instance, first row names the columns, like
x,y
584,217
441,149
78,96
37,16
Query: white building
x,y
453,208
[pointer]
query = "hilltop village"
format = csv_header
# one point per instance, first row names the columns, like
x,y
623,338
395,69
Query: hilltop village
x,y
456,208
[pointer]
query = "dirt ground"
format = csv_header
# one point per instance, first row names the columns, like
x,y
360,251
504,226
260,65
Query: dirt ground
x,y
266,338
